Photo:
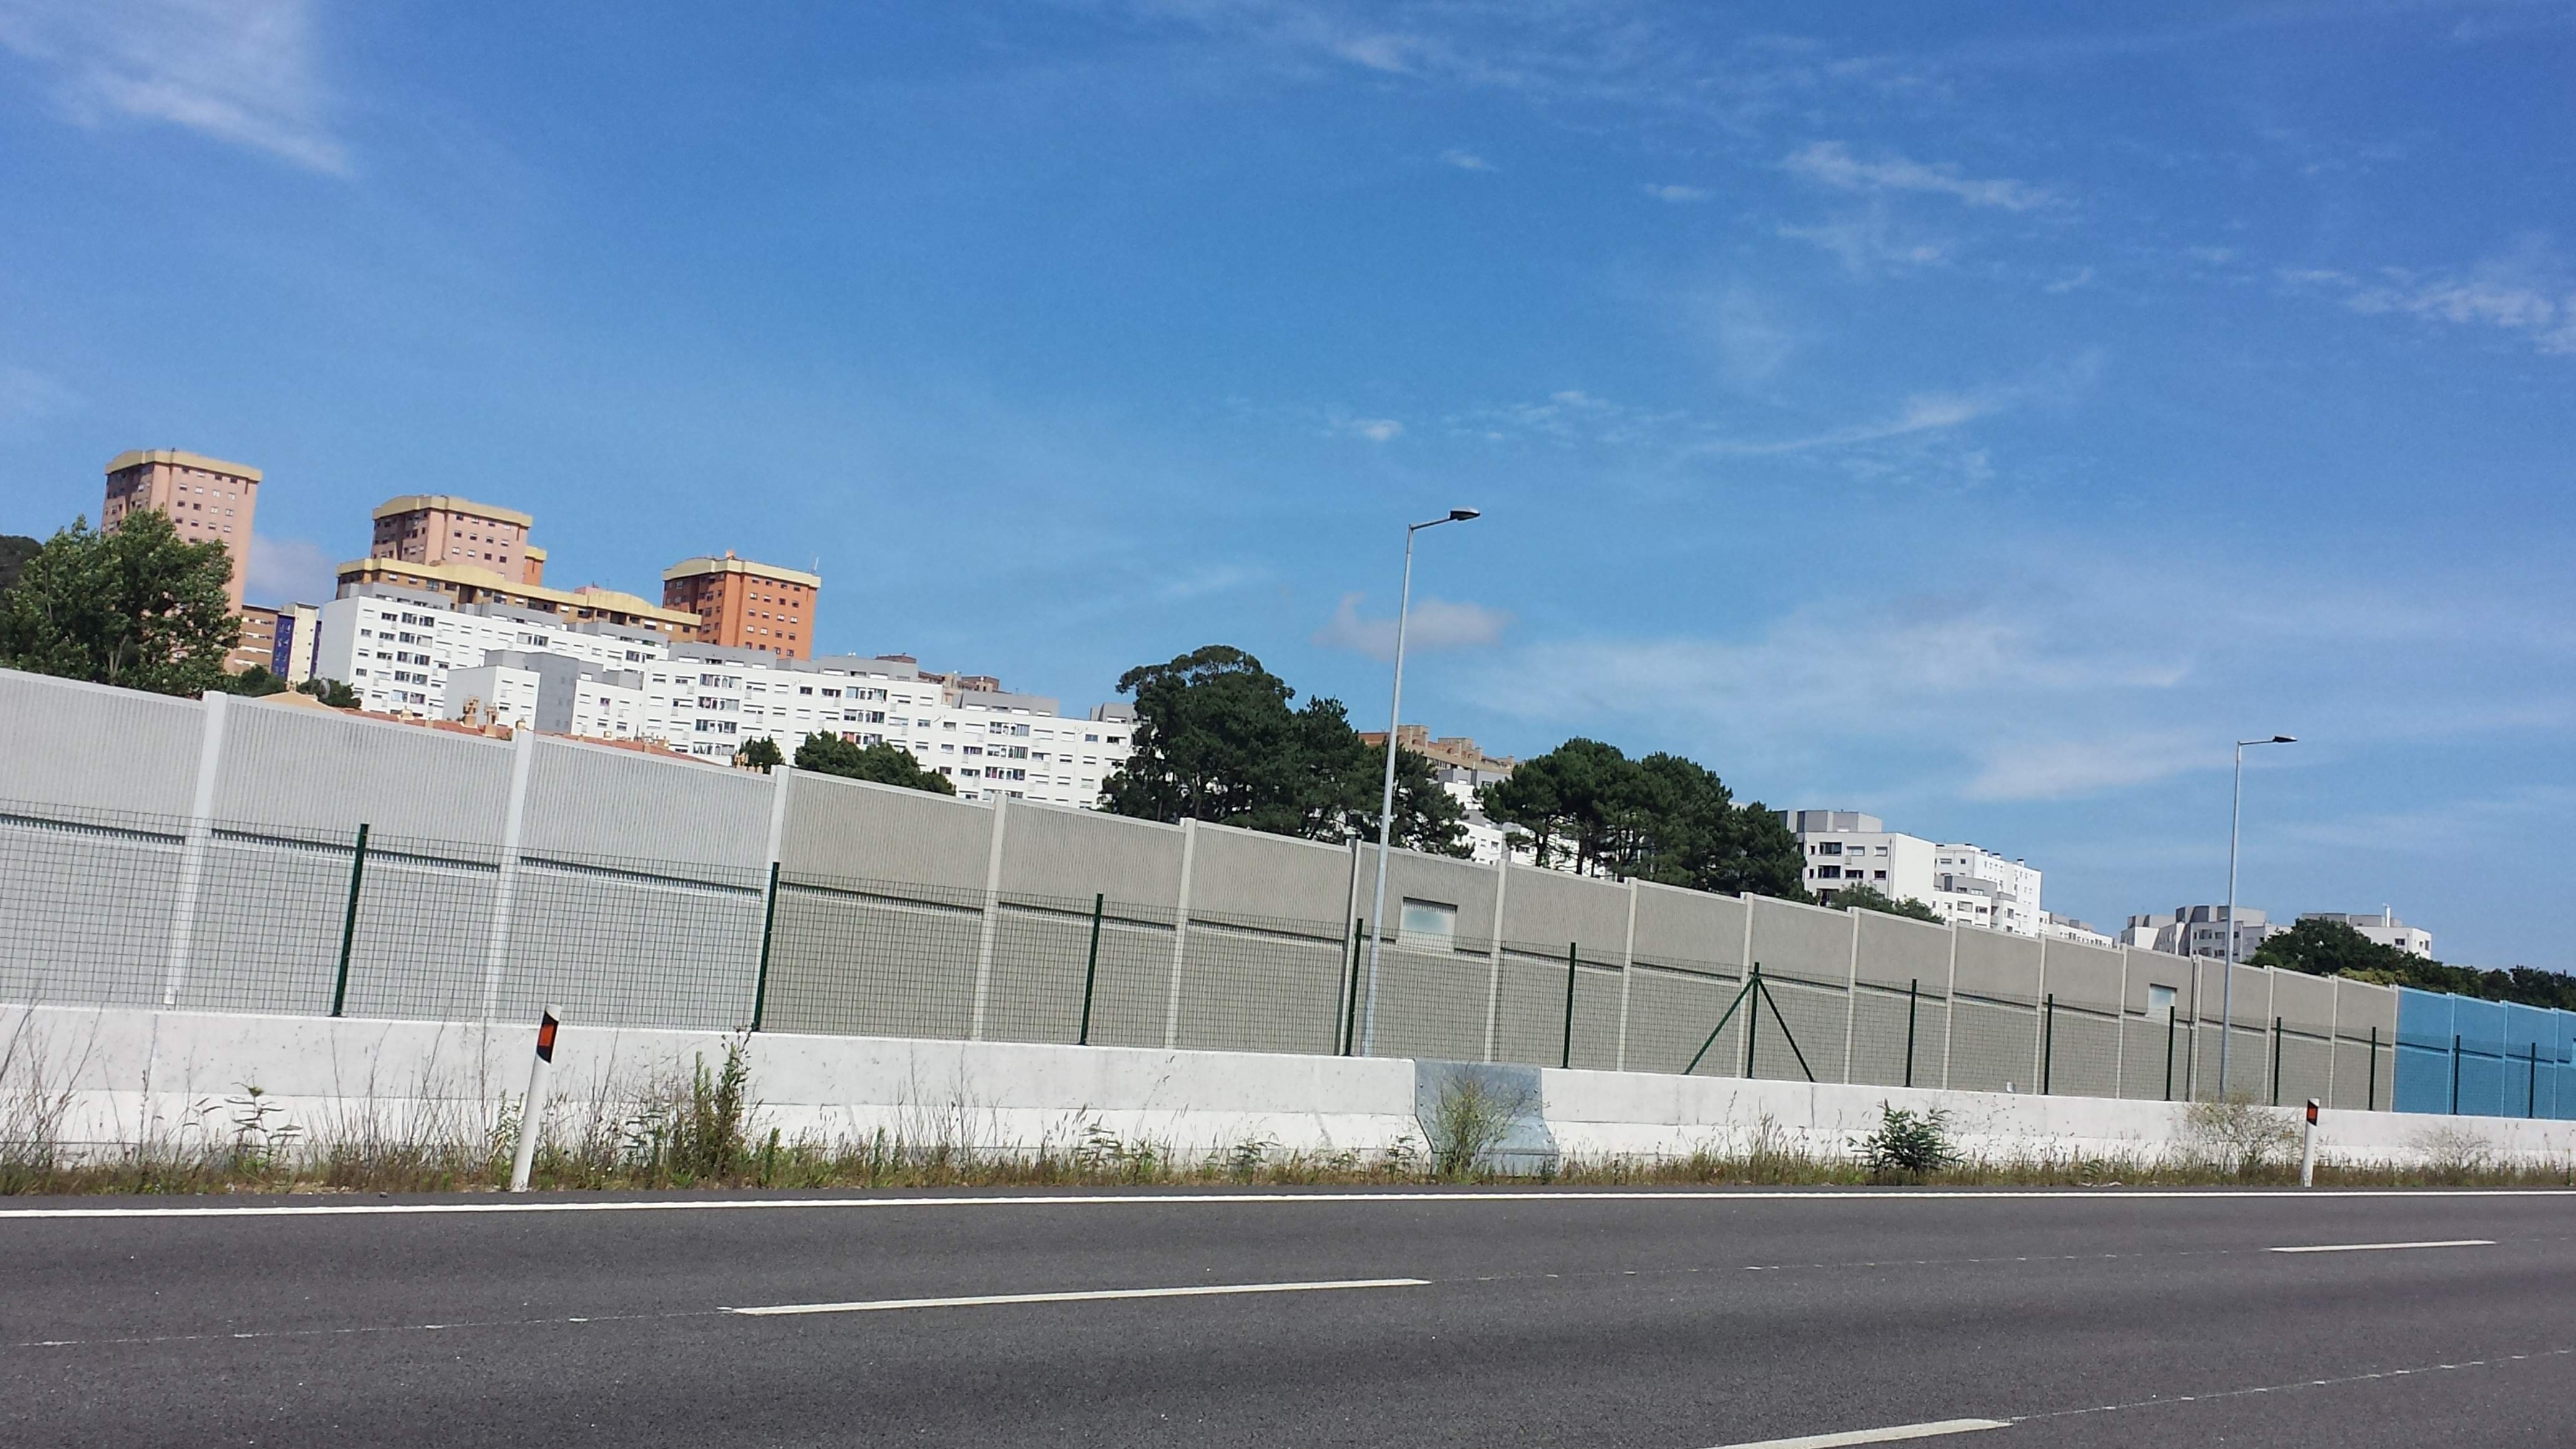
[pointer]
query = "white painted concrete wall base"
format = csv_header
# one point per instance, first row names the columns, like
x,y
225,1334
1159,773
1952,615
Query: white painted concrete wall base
x,y
122,1077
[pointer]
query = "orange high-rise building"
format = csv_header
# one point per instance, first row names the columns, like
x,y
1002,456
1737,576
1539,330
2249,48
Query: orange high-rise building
x,y
434,528
746,605
208,500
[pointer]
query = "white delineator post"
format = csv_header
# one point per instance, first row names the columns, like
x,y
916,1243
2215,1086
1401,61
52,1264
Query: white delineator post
x,y
532,1112
2308,1147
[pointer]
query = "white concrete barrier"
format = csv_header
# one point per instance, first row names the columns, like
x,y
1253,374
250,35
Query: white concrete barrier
x,y
120,1077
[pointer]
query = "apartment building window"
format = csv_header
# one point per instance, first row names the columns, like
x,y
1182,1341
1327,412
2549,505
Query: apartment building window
x,y
1829,872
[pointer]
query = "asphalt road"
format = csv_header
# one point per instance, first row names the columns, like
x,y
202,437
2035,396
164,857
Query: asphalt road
x,y
1656,1320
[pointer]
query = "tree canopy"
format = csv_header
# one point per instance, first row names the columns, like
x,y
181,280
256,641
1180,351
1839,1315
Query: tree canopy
x,y
135,607
761,754
1871,898
1216,739
15,550
1661,818
2332,948
882,763
255,681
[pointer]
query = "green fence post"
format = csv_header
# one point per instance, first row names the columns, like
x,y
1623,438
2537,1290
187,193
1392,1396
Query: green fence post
x,y
1351,1004
349,923
2170,1021
2047,1041
1091,965
1753,1018
1723,1018
768,927
2370,1089
1788,1035
1566,1058
1912,989
2276,1061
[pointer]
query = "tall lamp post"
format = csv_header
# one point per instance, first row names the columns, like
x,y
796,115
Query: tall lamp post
x,y
1386,798
2227,982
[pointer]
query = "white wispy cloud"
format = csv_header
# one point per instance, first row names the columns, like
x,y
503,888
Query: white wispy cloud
x,y
1921,413
2079,278
1831,163
2051,676
289,570
1208,580
27,395
1870,243
1465,160
2528,289
1432,624
1679,194
1376,430
243,71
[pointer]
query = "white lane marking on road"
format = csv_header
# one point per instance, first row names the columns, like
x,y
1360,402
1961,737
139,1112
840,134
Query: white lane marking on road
x,y
1889,1435
1237,1199
1095,1295
2222,1394
2388,1247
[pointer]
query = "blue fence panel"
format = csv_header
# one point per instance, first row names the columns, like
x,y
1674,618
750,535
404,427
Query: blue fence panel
x,y
2562,1101
2479,1027
2423,1068
2530,1040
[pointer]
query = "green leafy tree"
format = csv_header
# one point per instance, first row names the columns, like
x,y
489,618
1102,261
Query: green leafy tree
x,y
135,607
761,754
15,550
1216,739
2326,948
882,763
1662,818
331,692
1871,898
255,681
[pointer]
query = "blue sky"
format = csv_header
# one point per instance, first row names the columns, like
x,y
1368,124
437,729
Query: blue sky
x,y
1977,419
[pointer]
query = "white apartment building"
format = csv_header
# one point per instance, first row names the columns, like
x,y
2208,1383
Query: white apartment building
x,y
2066,928
406,652
2199,931
2383,927
1963,883
396,646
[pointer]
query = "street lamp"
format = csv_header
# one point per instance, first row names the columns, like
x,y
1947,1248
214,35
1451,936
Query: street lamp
x,y
2227,982
1386,798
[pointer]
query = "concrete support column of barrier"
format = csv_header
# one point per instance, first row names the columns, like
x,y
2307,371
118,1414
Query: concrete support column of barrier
x,y
1494,967
496,948
2334,1033
1851,995
1950,1010
782,780
992,917
1745,967
192,855
2120,1033
1627,972
1180,936
2271,1068
2040,1019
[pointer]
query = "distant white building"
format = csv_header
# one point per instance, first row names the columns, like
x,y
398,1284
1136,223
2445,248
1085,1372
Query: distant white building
x,y
2383,927
2065,928
406,652
1964,883
1463,768
2199,931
